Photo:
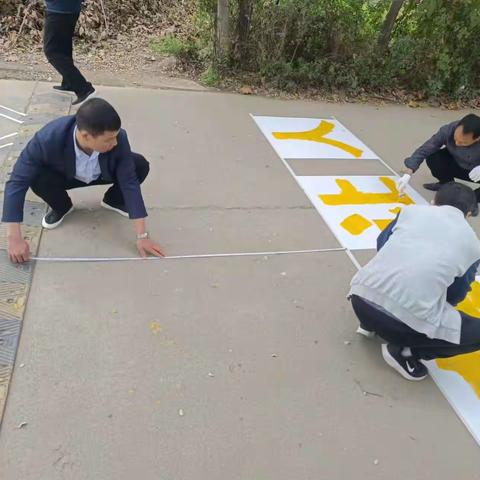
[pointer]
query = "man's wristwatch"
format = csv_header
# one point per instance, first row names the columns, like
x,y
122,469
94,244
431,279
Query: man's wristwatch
x,y
142,236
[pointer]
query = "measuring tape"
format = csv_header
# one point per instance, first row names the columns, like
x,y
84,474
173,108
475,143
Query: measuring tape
x,y
179,257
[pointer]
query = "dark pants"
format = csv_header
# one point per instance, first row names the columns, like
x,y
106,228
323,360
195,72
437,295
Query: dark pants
x,y
401,335
445,169
51,186
58,48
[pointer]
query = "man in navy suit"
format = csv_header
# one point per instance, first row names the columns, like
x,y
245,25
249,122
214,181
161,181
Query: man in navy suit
x,y
77,151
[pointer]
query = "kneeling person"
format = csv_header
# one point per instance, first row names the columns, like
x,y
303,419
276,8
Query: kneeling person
x,y
427,259
77,151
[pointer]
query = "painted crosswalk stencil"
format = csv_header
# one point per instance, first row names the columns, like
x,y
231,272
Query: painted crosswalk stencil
x,y
320,138
459,377
357,209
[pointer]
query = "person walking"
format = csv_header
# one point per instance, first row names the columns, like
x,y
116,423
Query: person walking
x,y
60,21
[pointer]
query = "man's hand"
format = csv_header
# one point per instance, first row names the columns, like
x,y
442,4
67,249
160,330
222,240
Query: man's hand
x,y
475,174
18,250
146,246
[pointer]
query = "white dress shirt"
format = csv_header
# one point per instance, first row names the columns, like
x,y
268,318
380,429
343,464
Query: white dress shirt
x,y
87,168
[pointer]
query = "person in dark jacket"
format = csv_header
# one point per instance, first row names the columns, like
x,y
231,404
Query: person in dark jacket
x,y
76,151
60,21
452,153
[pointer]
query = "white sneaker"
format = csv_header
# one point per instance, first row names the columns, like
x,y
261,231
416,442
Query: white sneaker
x,y
120,209
365,333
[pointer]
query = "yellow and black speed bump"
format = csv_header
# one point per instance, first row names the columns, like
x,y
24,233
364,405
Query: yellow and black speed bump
x,y
15,279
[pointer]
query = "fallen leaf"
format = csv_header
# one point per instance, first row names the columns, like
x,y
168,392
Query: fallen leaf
x,y
246,90
155,327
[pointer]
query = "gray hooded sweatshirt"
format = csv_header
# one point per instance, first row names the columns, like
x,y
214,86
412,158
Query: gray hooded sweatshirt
x,y
429,248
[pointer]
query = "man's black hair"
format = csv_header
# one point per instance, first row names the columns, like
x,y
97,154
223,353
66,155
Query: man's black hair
x,y
457,195
97,116
471,124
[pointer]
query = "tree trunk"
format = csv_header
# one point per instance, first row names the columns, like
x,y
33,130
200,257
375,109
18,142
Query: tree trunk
x,y
387,27
244,13
223,29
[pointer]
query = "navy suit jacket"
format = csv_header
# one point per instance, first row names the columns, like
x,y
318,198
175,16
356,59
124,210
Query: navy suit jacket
x,y
52,147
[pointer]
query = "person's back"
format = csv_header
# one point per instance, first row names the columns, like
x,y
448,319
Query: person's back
x,y
409,276
407,293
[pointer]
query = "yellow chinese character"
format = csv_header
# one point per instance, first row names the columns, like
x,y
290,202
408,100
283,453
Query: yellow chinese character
x,y
318,135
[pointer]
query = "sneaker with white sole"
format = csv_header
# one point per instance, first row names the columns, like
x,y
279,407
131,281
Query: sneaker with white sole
x,y
408,367
120,209
365,333
53,219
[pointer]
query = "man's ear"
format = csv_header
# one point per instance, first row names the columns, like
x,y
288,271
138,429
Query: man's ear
x,y
468,215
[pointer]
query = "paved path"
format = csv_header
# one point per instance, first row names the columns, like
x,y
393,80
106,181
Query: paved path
x,y
231,368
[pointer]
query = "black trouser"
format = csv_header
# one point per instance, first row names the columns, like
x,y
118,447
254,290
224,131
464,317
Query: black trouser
x,y
401,335
51,186
445,169
58,48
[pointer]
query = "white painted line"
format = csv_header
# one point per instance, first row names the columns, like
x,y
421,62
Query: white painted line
x,y
8,136
179,257
6,145
13,111
292,173
11,118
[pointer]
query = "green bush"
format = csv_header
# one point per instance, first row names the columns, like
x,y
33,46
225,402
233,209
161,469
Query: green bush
x,y
171,45
333,45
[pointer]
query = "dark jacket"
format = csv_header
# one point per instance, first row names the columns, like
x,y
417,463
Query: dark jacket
x,y
64,6
52,147
466,157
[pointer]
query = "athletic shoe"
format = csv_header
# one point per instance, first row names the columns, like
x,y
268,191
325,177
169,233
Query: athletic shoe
x,y
408,367
61,88
434,187
121,209
365,333
53,219
81,97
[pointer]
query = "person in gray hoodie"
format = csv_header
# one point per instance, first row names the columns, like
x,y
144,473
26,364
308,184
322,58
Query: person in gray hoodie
x,y
426,262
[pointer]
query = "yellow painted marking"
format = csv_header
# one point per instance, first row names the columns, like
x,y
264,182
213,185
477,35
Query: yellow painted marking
x,y
471,304
349,195
318,135
467,366
382,224
356,224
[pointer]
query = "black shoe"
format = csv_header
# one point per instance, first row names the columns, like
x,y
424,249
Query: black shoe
x,y
434,187
408,367
53,219
61,88
81,97
115,207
